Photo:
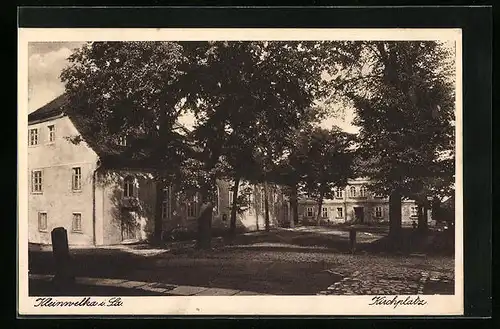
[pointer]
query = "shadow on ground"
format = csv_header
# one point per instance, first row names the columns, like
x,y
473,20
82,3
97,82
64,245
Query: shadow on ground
x,y
218,269
368,240
47,288
280,262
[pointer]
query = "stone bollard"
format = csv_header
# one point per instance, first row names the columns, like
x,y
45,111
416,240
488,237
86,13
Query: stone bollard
x,y
60,250
352,239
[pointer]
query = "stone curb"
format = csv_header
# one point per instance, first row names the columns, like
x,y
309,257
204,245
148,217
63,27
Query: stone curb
x,y
162,288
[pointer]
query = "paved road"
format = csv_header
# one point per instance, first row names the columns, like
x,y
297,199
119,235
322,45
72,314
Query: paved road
x,y
278,265
265,271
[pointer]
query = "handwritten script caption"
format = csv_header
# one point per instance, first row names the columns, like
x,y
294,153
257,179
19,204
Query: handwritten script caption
x,y
398,301
84,302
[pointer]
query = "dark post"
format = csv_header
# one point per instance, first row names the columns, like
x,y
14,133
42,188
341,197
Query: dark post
x,y
60,251
205,226
352,239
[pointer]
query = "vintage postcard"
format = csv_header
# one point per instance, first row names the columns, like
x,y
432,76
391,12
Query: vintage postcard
x,y
240,172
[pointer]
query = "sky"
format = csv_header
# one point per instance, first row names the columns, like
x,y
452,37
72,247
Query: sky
x,y
47,60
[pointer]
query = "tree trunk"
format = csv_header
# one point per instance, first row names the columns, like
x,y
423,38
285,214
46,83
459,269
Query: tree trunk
x,y
232,227
395,215
158,226
320,205
205,215
436,209
291,222
422,219
253,205
294,204
205,220
205,225
266,208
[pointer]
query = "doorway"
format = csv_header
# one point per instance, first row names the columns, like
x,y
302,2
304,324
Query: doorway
x,y
129,225
359,215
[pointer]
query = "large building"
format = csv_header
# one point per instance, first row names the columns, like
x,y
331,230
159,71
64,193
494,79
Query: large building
x,y
102,197
354,203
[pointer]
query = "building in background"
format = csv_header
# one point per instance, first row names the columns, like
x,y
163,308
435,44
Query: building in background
x,y
354,203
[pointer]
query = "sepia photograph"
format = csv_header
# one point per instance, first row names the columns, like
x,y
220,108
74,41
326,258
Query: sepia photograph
x,y
318,166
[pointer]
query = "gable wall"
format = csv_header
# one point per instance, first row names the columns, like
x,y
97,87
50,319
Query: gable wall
x,y
56,161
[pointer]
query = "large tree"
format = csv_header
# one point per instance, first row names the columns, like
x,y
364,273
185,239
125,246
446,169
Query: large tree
x,y
403,95
247,98
131,89
291,163
242,94
329,165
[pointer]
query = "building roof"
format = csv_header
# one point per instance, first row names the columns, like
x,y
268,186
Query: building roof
x,y
110,154
49,110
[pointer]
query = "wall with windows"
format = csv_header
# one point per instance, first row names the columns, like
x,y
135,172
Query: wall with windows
x,y
337,211
354,202
125,206
182,210
253,218
409,212
60,183
61,193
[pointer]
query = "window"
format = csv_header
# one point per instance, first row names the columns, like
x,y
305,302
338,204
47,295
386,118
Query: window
x,y
42,221
340,212
128,187
362,191
52,133
352,192
324,212
231,195
309,212
339,194
262,201
165,204
414,211
33,137
76,184
77,222
36,181
250,202
122,140
192,209
275,197
165,210
378,212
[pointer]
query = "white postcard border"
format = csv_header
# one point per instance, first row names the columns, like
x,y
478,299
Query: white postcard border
x,y
234,305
